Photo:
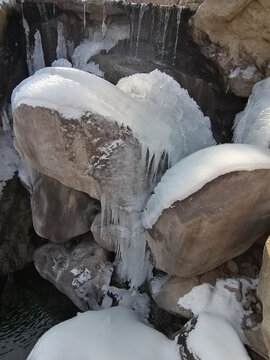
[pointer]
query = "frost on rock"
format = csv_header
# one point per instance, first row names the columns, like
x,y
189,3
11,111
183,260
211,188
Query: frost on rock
x,y
193,172
61,63
105,39
218,333
9,160
116,333
252,126
157,125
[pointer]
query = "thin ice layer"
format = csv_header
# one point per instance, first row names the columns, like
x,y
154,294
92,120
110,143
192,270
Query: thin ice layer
x,y
174,126
193,172
114,334
252,126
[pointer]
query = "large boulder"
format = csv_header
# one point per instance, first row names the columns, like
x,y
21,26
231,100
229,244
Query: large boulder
x,y
215,224
263,293
79,270
60,213
236,36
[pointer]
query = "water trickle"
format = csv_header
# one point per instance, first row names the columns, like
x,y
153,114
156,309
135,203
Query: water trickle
x,y
143,8
84,14
132,21
178,21
167,12
42,12
153,17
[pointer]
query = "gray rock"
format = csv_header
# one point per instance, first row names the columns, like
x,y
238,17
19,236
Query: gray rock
x,y
59,212
79,270
217,223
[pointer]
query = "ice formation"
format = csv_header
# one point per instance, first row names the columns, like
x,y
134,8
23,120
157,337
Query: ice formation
x,y
9,160
116,333
252,126
105,39
160,114
218,331
61,50
193,172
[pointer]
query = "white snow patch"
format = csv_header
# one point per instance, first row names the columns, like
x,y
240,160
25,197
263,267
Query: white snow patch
x,y
105,39
246,74
252,126
193,172
9,160
213,338
116,333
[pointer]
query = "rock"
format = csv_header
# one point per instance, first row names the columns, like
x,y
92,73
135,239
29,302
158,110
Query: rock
x,y
18,240
168,295
79,270
107,236
215,224
191,4
263,292
59,212
184,350
235,36
255,340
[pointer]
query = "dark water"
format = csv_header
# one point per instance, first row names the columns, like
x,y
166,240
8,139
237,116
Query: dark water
x,y
29,305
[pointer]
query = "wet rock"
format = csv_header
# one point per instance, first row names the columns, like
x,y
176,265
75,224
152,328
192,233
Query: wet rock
x,y
217,223
77,269
59,212
18,240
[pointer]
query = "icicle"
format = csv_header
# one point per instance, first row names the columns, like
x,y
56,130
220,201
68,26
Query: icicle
x,y
61,50
143,8
178,21
37,57
152,27
103,28
5,121
54,10
27,42
166,21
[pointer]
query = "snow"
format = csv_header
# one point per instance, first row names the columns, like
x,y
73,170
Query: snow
x,y
252,126
246,74
104,39
116,334
61,63
213,338
9,160
193,172
158,111
218,333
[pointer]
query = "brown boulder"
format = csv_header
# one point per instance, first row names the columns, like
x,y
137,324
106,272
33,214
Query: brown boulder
x,y
235,34
60,213
215,224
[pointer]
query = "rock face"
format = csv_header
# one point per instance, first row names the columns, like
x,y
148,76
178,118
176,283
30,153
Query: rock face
x,y
236,36
18,240
61,213
79,270
263,293
215,224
